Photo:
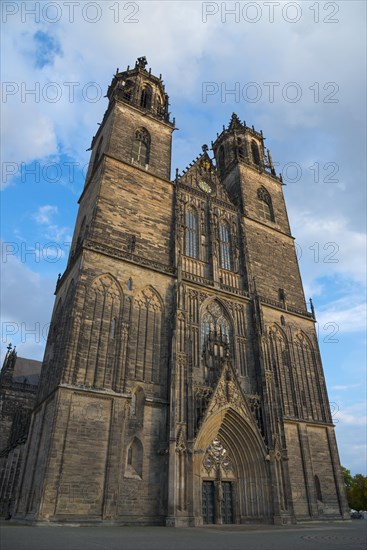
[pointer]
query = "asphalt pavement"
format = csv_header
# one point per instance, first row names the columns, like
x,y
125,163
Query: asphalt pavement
x,y
348,535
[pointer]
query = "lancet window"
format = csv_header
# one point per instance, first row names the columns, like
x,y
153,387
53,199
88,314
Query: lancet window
x,y
141,147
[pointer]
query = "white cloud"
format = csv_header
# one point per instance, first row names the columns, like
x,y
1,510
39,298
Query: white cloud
x,y
53,232
348,318
344,387
353,416
328,246
27,300
350,426
45,213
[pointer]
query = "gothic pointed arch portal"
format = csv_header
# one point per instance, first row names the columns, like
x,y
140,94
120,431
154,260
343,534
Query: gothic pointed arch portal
x,y
231,471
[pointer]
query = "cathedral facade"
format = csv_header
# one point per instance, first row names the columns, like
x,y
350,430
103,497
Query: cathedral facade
x,y
182,382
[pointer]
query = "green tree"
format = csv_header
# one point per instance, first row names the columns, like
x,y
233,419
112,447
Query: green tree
x,y
347,476
356,487
357,493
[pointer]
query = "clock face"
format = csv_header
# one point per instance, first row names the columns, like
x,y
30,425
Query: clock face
x,y
204,186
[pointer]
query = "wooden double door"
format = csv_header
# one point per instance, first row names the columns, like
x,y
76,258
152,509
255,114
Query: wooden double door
x,y
210,503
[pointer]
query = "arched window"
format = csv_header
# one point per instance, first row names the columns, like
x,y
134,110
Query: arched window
x,y
216,339
191,234
145,336
98,152
225,246
281,361
141,147
100,336
159,106
81,233
130,455
146,97
221,159
128,90
318,488
312,385
214,322
242,149
265,204
134,458
137,404
255,152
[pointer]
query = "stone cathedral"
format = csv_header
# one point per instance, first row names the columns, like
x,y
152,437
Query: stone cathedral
x,y
182,382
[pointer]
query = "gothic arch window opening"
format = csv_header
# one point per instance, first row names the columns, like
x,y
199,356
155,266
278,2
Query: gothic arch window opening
x,y
191,236
221,159
130,456
141,147
128,90
57,318
98,152
241,147
311,394
216,339
318,488
133,404
146,339
134,457
146,97
225,246
265,204
137,403
215,322
159,105
81,232
283,370
255,152
104,298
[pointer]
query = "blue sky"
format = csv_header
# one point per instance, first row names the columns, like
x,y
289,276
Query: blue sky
x,y
297,73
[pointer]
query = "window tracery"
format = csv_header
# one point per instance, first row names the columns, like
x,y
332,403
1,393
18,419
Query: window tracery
x,y
141,147
191,245
216,341
225,246
146,97
255,152
242,149
145,341
221,159
265,204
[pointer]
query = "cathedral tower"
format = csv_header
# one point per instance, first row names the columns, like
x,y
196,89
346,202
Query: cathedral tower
x,y
182,382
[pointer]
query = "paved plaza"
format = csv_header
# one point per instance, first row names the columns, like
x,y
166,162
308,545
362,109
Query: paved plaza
x,y
316,536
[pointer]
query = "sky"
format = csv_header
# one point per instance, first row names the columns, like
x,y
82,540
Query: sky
x,y
295,70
